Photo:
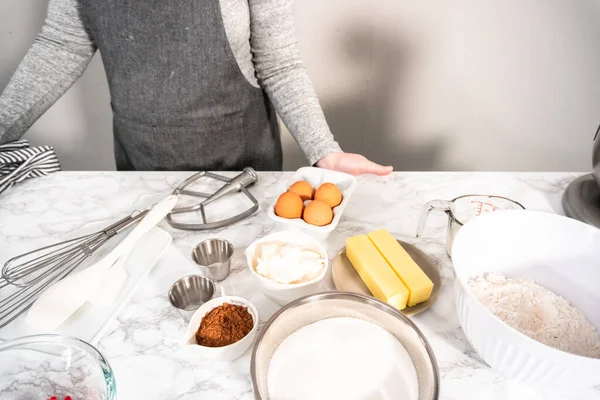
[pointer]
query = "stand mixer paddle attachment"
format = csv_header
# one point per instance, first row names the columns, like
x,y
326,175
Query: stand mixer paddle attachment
x,y
235,185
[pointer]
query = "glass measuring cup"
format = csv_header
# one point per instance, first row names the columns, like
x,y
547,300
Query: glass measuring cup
x,y
462,209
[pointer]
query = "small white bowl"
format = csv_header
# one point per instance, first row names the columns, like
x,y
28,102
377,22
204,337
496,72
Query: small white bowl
x,y
559,253
315,177
225,353
282,293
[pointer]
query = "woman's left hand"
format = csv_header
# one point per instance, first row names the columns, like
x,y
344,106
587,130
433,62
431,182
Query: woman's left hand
x,y
354,164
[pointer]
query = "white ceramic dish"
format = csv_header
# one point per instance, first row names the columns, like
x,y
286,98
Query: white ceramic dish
x,y
225,353
559,253
315,177
282,293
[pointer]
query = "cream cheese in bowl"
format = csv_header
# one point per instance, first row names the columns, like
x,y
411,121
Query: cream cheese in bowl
x,y
288,263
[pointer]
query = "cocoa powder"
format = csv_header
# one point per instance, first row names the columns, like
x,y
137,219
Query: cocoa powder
x,y
224,325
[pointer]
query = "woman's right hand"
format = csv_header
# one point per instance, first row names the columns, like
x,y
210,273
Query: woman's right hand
x,y
353,164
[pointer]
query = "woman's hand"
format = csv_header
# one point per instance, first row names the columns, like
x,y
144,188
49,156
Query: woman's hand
x,y
354,164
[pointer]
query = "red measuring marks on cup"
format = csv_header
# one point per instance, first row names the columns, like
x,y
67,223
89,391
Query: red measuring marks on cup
x,y
481,207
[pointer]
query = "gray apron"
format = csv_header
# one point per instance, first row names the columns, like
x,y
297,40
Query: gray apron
x,y
179,99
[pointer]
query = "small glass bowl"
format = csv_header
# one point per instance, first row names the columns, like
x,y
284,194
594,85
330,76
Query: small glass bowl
x,y
42,366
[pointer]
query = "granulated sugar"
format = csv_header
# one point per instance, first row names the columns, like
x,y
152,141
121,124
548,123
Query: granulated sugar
x,y
342,358
538,313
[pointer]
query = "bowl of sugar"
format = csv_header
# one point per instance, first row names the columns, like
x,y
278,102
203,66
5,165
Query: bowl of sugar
x,y
344,346
527,297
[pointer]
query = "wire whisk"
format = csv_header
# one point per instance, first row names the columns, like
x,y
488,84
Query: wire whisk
x,y
26,276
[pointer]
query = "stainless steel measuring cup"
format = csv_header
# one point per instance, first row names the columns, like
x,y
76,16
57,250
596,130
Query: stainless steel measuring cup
x,y
462,209
189,293
213,257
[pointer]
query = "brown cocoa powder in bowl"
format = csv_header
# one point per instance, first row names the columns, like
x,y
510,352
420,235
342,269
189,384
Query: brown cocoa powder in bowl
x,y
224,325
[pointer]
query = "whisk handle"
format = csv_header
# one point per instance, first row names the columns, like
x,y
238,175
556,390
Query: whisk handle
x,y
124,223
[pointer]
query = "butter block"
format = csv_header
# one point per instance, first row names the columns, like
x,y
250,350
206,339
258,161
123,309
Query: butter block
x,y
413,277
375,272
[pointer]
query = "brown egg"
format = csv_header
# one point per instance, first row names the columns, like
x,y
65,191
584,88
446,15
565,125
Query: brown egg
x,y
289,205
329,193
318,213
302,189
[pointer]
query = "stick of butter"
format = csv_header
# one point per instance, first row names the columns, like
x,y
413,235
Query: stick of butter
x,y
413,277
375,272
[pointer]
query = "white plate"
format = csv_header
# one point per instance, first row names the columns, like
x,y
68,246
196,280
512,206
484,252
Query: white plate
x,y
90,321
315,177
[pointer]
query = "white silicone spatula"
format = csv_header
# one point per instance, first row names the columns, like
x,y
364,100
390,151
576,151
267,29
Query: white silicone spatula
x,y
112,283
62,299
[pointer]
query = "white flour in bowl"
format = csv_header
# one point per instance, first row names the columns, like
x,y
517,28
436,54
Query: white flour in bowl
x,y
342,359
538,313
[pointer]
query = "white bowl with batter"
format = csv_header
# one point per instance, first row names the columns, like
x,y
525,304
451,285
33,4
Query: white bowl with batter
x,y
556,252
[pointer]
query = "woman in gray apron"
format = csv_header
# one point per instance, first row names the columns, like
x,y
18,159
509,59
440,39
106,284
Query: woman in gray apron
x,y
191,82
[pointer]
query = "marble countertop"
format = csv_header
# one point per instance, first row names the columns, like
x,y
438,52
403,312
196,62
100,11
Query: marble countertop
x,y
142,344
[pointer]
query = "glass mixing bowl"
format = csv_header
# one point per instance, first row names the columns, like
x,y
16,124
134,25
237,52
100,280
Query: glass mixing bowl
x,y
42,366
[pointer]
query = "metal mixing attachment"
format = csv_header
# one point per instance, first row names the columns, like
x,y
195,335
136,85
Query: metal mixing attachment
x,y
31,273
239,183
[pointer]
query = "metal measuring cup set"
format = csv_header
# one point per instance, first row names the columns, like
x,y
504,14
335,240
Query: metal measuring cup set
x,y
213,259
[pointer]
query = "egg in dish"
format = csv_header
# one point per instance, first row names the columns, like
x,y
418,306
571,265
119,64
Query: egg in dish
x,y
318,213
289,205
302,189
329,193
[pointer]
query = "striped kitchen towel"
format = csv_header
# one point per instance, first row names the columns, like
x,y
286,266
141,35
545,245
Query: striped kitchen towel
x,y
19,161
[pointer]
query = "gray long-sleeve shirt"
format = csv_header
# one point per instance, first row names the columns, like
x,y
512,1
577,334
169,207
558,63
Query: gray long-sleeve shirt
x,y
262,38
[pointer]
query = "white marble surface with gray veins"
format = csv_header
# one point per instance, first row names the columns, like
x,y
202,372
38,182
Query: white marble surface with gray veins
x,y
142,344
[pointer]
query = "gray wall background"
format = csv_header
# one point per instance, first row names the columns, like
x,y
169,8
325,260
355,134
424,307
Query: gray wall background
x,y
427,85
